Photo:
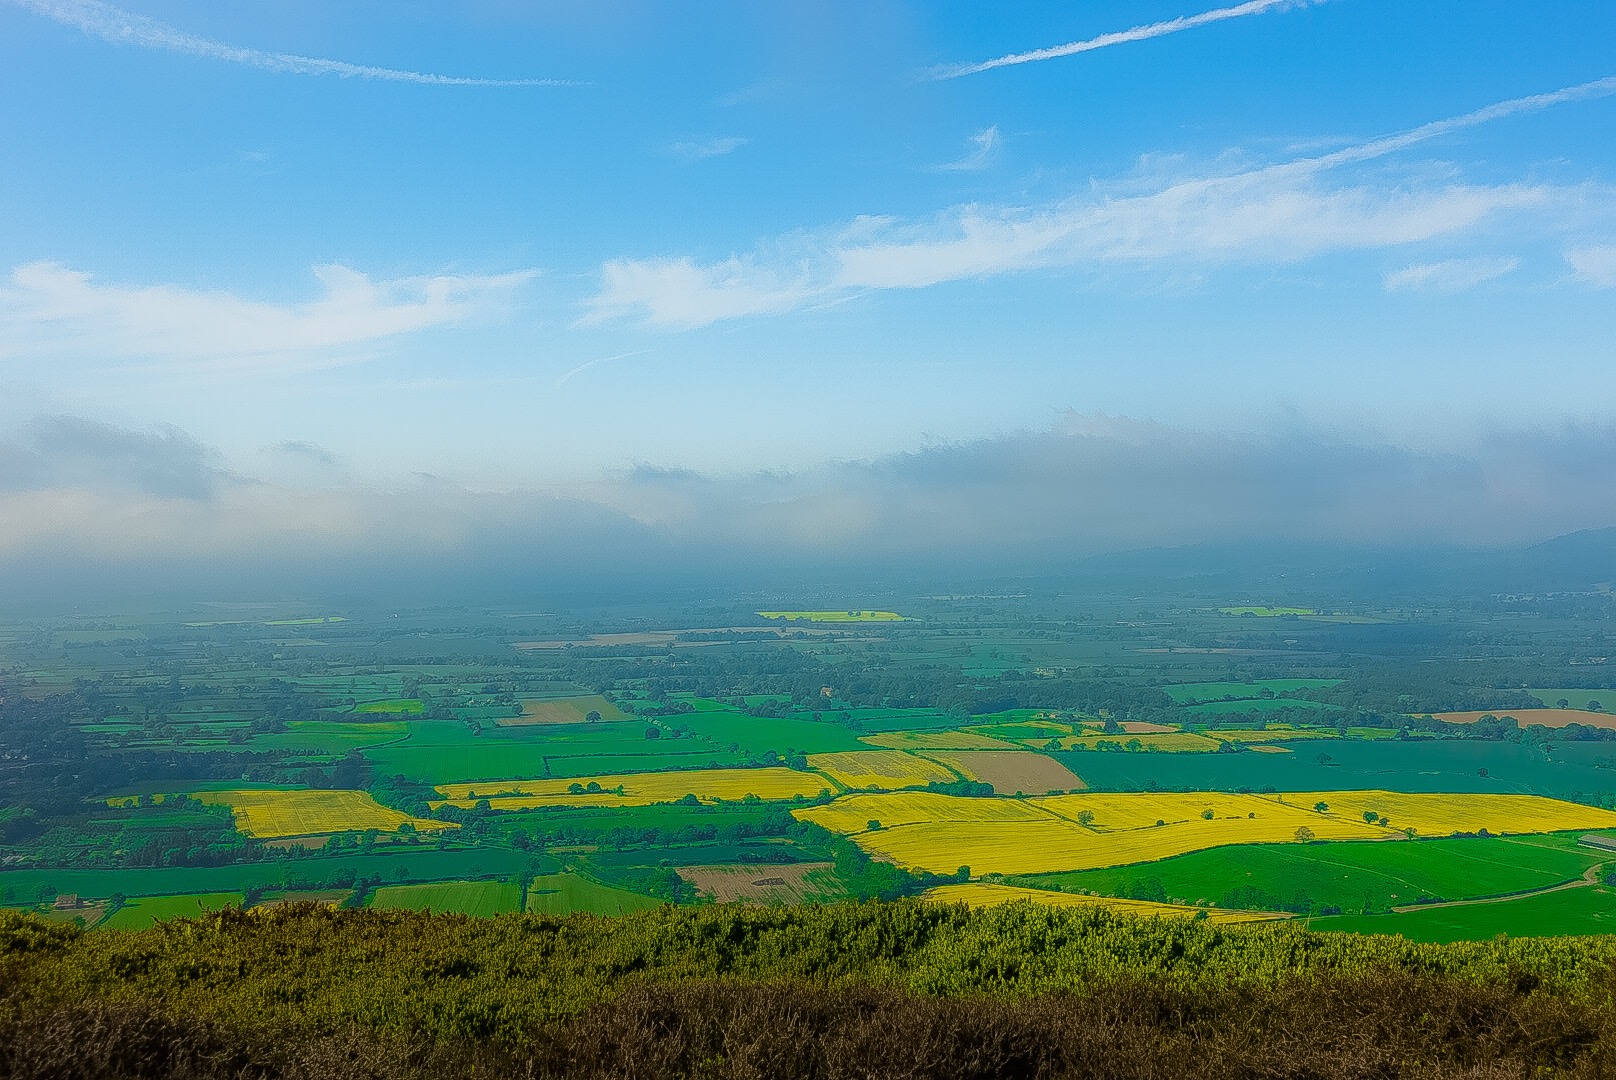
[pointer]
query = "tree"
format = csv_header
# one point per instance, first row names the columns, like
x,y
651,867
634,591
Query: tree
x,y
1208,814
1304,835
1322,807
1369,817
592,716
874,825
1085,817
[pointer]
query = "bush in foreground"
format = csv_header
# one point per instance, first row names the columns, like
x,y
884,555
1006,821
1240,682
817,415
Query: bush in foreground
x,y
870,990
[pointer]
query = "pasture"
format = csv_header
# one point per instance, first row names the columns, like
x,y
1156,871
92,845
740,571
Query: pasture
x,y
936,740
834,616
639,789
567,710
1583,910
464,897
267,814
1174,742
399,706
146,911
1196,692
1010,771
886,770
1349,876
563,894
790,883
977,894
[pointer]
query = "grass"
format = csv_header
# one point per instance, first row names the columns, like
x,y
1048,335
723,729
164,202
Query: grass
x,y
266,814
641,789
408,863
1570,911
982,894
1175,742
937,740
834,616
1268,612
464,897
1575,699
729,728
795,883
1451,765
564,894
1010,771
150,910
567,710
1191,693
404,706
886,770
1349,876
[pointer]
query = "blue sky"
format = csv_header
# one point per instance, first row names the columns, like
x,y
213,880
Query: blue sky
x,y
561,248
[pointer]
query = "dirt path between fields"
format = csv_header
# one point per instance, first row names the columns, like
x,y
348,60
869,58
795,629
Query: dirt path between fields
x,y
1589,877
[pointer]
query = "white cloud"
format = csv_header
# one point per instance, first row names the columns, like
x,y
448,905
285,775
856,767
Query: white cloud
x,y
984,147
1279,213
49,309
711,148
1122,37
1448,276
126,28
1595,264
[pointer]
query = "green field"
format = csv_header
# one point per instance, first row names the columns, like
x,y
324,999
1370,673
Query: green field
x,y
1268,612
1347,875
465,897
1418,765
562,894
1192,693
1576,699
147,911
1570,911
758,734
1258,705
405,706
24,887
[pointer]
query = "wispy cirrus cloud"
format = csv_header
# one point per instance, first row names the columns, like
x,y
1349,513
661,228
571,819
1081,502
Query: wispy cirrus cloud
x,y
984,147
1449,275
1121,37
121,27
1279,213
47,309
710,148
1595,264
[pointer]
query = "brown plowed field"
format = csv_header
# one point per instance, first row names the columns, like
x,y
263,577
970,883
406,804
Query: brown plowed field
x,y
1549,718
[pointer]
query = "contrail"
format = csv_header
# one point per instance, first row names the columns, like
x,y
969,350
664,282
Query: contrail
x,y
587,364
1121,37
125,28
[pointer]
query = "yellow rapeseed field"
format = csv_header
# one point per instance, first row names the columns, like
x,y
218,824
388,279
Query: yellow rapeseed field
x,y
940,833
983,894
1444,815
853,813
887,770
639,789
270,814
936,740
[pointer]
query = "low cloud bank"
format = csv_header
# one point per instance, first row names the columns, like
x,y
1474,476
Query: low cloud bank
x,y
79,496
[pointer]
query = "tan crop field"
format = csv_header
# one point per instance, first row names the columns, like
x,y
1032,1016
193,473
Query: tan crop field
x,y
940,833
1549,718
638,789
936,740
763,883
886,770
1010,771
302,813
572,710
983,894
